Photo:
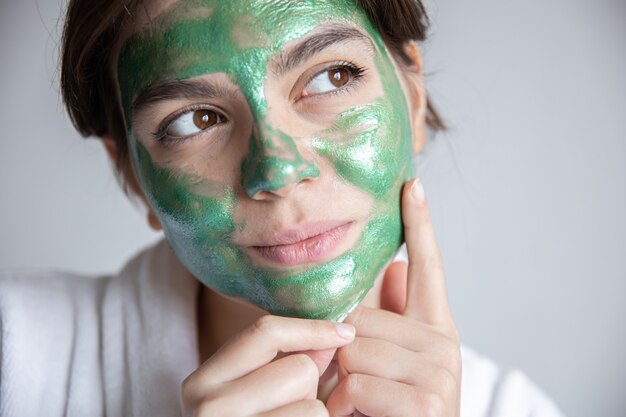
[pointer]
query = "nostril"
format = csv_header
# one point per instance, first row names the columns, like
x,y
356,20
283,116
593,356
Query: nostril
x,y
269,194
276,175
274,165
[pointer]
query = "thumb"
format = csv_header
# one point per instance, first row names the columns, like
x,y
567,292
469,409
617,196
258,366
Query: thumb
x,y
393,290
321,358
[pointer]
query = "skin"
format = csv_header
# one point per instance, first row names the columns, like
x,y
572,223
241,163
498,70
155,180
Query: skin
x,y
404,359
397,354
349,151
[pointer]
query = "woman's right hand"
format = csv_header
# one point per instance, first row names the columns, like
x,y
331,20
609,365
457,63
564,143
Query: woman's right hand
x,y
243,378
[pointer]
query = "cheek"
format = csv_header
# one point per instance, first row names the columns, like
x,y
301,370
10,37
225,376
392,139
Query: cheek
x,y
197,211
369,147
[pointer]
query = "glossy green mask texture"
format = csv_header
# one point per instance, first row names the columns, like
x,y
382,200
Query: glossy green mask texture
x,y
369,146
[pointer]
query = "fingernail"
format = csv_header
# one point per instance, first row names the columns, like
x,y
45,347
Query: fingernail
x,y
417,189
345,330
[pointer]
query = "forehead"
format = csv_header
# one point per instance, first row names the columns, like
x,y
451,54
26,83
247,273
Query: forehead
x,y
269,12
184,39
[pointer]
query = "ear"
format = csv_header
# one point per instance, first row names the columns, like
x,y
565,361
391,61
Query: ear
x,y
110,145
413,82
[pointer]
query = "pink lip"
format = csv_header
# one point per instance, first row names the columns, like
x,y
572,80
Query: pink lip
x,y
311,243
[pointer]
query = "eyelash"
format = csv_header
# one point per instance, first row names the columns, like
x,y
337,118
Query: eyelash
x,y
356,72
161,133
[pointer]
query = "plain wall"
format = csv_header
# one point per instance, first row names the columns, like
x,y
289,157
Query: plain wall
x,y
527,188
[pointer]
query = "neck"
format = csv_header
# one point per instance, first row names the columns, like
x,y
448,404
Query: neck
x,y
220,318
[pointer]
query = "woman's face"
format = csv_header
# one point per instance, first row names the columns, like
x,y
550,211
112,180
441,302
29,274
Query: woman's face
x,y
271,138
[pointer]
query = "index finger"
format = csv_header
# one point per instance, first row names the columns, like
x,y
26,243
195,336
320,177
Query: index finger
x,y
426,298
259,344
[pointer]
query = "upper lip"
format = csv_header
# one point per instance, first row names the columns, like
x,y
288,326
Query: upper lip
x,y
298,234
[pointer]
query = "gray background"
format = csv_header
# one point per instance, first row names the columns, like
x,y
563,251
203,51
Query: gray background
x,y
528,187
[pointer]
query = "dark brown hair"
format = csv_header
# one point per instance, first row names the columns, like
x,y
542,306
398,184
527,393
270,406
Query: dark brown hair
x,y
92,29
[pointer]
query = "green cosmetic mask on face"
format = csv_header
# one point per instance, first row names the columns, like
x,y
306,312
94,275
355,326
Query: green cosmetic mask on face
x,y
369,146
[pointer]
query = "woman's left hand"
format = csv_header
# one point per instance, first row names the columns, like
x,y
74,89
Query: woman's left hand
x,y
405,359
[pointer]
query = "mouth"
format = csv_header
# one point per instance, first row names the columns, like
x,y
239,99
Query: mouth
x,y
314,242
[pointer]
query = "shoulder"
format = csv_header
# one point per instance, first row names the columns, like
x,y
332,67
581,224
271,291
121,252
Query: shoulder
x,y
54,286
44,301
489,391
48,324
61,308
69,344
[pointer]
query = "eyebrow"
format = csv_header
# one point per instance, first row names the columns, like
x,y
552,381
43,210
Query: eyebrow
x,y
182,89
329,36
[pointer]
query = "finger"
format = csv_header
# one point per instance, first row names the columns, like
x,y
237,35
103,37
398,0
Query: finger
x,y
287,380
372,357
375,397
308,408
402,331
382,359
321,358
427,298
393,289
260,343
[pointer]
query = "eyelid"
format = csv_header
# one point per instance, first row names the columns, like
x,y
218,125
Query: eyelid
x,y
356,71
161,136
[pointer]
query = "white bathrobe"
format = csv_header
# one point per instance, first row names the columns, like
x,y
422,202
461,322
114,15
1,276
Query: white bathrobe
x,y
122,345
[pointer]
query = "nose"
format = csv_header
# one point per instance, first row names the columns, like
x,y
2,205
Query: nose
x,y
274,166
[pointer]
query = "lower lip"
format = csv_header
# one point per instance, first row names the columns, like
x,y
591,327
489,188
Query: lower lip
x,y
313,249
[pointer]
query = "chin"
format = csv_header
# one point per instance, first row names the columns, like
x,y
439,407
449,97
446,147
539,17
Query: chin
x,y
331,290
328,291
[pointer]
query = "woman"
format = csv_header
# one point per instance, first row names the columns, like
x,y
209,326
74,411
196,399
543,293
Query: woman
x,y
272,141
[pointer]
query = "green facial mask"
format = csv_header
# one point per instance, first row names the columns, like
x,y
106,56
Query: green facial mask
x,y
369,146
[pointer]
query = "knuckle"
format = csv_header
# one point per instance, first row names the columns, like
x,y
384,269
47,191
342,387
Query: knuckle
x,y
451,355
206,408
264,324
211,407
352,383
319,327
430,405
315,408
450,331
186,388
356,317
345,354
190,390
448,351
308,367
423,218
453,331
446,383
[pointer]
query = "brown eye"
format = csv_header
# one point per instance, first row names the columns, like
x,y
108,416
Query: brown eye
x,y
334,78
339,76
204,119
193,122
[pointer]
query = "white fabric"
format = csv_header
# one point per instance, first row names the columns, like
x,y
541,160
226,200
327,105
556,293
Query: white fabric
x,y
122,345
